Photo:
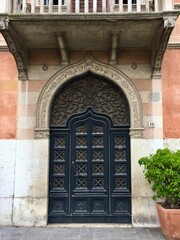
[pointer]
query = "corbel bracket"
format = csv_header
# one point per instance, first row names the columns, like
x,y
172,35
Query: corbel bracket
x,y
114,36
15,47
160,44
63,49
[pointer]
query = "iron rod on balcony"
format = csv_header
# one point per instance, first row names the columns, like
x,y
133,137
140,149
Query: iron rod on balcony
x,y
112,6
50,6
68,7
129,5
86,6
41,6
138,4
94,6
103,6
120,5
24,6
15,6
77,6
59,6
156,7
147,5
33,6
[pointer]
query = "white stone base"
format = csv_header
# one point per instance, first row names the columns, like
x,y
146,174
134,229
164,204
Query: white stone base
x,y
24,166
30,212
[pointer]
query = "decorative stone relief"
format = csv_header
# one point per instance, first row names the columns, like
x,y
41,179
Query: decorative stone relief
x,y
16,48
160,44
41,133
3,24
169,22
136,132
89,64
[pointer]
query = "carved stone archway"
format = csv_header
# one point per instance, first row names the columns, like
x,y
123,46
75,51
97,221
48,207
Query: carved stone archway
x,y
89,64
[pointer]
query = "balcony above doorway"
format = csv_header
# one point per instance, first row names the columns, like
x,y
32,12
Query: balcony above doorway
x,y
86,25
84,6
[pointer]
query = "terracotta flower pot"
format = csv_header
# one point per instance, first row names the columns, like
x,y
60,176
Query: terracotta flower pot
x,y
170,222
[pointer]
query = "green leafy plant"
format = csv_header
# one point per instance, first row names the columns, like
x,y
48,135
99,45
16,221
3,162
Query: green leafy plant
x,y
162,170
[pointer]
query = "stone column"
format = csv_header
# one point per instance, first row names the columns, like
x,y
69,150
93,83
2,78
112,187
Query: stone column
x,y
94,6
167,5
104,6
77,6
5,6
138,6
129,5
24,6
60,6
41,6
33,6
120,6
50,6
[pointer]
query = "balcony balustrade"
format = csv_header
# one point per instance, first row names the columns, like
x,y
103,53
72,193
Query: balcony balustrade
x,y
84,6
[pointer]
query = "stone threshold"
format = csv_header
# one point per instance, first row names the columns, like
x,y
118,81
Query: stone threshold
x,y
90,225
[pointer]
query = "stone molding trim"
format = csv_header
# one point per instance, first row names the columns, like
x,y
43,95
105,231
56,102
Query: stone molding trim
x,y
15,47
41,133
173,45
97,16
136,132
88,64
160,44
4,49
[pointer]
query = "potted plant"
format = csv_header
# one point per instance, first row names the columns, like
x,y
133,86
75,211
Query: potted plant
x,y
162,171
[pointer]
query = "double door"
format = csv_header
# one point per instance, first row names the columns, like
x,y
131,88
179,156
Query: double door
x,y
89,177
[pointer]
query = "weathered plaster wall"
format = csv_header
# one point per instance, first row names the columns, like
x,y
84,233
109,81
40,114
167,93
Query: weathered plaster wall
x,y
8,94
171,86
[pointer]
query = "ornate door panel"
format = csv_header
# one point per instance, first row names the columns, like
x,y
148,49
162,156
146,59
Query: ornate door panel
x,y
89,171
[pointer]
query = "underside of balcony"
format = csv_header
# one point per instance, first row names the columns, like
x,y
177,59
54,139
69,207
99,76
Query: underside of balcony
x,y
68,32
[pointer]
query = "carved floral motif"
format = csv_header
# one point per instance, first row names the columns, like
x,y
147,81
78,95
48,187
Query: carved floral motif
x,y
90,65
90,91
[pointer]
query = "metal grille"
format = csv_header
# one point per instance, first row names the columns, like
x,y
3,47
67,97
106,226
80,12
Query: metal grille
x,y
59,182
81,168
81,141
98,141
81,183
81,129
59,168
120,141
98,155
98,168
121,183
81,155
120,154
98,182
59,142
120,168
59,155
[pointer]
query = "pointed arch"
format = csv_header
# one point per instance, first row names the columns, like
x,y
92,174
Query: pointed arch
x,y
89,64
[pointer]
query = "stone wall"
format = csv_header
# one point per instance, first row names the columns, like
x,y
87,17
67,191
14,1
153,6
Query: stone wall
x,y
24,160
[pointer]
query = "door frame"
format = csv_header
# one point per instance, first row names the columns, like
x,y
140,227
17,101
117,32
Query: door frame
x,y
118,201
89,64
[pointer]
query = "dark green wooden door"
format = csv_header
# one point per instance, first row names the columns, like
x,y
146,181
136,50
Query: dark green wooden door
x,y
89,171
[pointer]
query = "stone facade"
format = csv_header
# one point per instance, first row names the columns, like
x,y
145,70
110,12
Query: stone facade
x,y
24,122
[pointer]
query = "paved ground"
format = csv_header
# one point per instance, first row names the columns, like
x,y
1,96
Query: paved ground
x,y
80,233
